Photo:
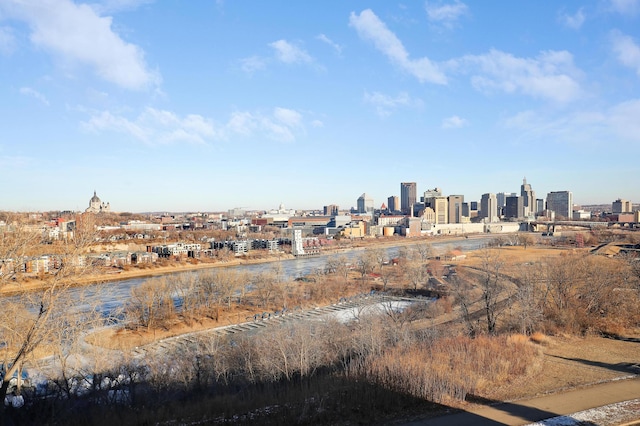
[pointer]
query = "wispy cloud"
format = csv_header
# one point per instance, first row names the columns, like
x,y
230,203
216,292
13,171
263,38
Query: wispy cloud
x,y
114,6
28,91
289,53
252,64
330,42
454,122
76,33
626,50
445,14
583,127
154,126
574,21
7,40
370,27
551,75
385,105
625,7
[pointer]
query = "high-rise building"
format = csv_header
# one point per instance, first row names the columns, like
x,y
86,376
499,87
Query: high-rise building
x,y
331,210
430,193
539,205
465,210
365,204
528,198
455,208
489,207
501,198
408,192
621,206
514,207
440,207
561,202
393,203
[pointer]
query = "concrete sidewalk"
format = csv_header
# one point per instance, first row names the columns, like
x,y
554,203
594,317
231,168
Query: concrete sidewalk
x,y
544,407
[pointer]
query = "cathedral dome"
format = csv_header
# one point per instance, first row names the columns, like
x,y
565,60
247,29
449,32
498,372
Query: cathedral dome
x,y
95,198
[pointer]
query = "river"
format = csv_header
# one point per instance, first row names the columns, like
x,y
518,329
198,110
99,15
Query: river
x,y
111,296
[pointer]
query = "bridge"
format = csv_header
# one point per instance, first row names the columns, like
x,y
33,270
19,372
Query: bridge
x,y
551,225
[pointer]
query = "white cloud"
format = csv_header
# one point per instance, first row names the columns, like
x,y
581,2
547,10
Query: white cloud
x,y
330,42
76,34
154,126
7,40
252,64
288,117
627,51
445,14
625,7
454,122
317,123
28,91
618,124
573,21
289,53
551,75
385,105
370,27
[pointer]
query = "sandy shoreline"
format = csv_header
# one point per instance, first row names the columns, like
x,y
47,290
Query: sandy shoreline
x,y
13,288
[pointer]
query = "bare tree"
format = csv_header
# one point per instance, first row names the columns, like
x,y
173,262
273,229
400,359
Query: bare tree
x,y
529,298
416,274
365,263
47,302
151,305
339,265
462,292
492,287
424,250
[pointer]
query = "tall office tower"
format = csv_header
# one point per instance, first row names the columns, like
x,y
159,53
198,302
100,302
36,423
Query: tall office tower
x,y
465,210
528,198
561,202
455,208
393,203
501,197
514,208
331,210
365,204
440,207
408,191
539,205
621,206
489,207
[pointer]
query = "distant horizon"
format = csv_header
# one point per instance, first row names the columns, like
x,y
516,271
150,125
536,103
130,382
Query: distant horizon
x,y
197,106
267,209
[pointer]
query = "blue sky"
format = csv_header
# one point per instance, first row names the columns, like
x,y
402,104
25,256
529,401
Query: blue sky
x,y
205,105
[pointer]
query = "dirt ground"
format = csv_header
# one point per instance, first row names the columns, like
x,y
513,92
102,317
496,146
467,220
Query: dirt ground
x,y
570,362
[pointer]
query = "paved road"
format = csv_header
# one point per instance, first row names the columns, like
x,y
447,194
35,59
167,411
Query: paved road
x,y
545,407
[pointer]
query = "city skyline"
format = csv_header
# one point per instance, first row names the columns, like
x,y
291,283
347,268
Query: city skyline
x,y
207,106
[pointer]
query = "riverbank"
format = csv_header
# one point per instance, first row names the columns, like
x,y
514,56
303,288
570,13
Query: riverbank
x,y
110,275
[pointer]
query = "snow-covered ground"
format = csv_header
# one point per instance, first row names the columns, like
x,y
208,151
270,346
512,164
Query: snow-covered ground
x,y
355,313
607,415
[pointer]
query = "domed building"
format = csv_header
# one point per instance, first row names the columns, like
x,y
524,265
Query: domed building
x,y
97,206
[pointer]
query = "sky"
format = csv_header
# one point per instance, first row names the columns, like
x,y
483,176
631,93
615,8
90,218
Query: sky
x,y
210,105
